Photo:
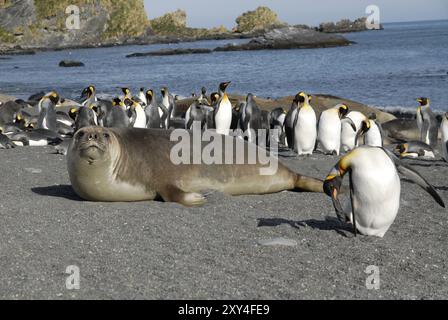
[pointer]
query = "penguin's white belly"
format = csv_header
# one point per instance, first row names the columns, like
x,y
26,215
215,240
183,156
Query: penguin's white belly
x,y
348,136
305,132
140,121
160,113
444,129
373,137
187,118
223,118
375,198
330,133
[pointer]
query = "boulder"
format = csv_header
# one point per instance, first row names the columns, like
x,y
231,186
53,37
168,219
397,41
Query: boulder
x,y
290,38
71,64
259,19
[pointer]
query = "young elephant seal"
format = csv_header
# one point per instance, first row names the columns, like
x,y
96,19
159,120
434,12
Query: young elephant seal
x,y
130,164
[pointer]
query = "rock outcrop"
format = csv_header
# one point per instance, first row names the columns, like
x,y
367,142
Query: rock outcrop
x,y
43,23
260,19
290,38
344,25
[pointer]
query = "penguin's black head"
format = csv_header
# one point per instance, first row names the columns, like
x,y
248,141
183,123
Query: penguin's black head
x,y
214,97
164,91
223,86
126,91
54,97
401,148
149,96
343,111
73,113
423,101
88,92
204,91
300,98
128,102
116,102
250,97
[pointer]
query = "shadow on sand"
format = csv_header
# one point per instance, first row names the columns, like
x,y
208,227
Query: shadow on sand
x,y
329,224
61,191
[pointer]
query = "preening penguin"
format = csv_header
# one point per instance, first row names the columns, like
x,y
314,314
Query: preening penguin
x,y
348,136
223,111
372,133
427,123
305,126
329,129
374,188
138,115
444,131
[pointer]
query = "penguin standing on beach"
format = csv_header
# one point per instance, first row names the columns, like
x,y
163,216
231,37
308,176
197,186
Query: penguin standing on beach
x,y
348,136
142,97
154,120
223,111
138,114
427,123
444,131
251,119
194,114
329,129
47,116
88,96
371,131
305,126
374,189
277,122
169,104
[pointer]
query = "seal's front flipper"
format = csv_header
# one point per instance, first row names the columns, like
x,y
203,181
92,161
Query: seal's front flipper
x,y
188,199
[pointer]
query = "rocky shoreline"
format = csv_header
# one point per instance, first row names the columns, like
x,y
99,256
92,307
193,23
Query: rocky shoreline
x,y
27,27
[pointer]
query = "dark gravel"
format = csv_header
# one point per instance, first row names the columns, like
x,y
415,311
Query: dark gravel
x,y
155,250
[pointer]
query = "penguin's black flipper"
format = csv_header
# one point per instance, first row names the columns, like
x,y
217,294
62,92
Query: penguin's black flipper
x,y
415,177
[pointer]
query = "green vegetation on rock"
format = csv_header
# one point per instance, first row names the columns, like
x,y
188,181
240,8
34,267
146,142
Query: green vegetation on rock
x,y
6,36
261,18
175,24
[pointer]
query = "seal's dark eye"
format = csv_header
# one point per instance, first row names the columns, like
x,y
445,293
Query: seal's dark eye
x,y
80,135
106,135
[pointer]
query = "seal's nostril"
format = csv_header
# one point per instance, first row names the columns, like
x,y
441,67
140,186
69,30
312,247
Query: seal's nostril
x,y
93,136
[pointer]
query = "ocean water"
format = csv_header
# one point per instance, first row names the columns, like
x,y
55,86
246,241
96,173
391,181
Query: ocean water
x,y
388,68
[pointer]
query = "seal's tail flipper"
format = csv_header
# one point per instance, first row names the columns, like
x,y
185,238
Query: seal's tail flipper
x,y
308,184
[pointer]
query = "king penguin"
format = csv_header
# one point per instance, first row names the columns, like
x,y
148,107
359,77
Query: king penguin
x,y
329,129
374,189
47,116
88,96
139,115
223,111
251,119
427,123
305,126
194,114
152,112
348,136
169,104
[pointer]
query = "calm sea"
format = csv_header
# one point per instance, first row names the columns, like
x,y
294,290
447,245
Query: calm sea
x,y
388,68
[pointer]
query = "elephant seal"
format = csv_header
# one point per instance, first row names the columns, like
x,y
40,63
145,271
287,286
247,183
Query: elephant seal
x,y
132,164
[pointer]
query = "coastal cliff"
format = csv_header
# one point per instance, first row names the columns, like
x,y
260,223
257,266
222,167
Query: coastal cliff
x,y
42,23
